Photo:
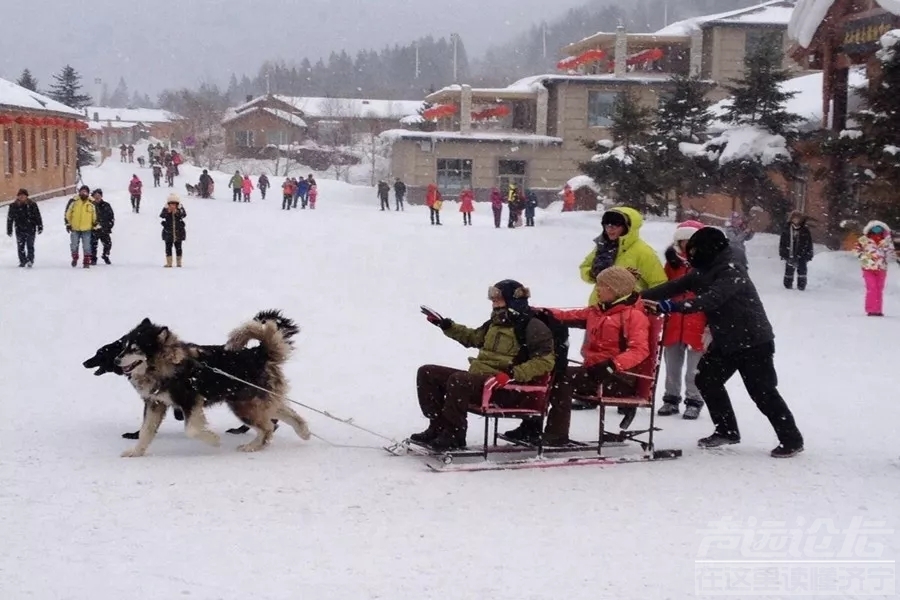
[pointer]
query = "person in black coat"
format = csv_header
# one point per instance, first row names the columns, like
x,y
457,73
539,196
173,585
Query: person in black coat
x,y
796,250
25,217
399,193
742,339
383,191
106,219
173,230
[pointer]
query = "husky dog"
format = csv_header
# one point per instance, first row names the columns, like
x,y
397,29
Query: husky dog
x,y
169,372
141,161
191,189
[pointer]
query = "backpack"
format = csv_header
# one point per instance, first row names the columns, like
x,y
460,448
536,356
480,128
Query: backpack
x,y
560,340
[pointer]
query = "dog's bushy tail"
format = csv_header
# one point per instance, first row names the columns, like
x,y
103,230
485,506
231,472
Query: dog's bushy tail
x,y
271,329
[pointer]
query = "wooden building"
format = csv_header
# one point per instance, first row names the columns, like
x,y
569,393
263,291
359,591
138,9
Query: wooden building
x,y
37,144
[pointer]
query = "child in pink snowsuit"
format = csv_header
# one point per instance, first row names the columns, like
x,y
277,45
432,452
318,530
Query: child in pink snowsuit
x,y
246,187
313,193
875,249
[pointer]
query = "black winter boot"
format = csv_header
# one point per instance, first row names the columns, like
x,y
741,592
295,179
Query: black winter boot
x,y
427,436
669,406
717,439
783,451
449,439
528,432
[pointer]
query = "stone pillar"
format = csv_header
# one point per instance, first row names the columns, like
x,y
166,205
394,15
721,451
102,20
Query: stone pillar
x,y
696,53
543,108
465,109
621,52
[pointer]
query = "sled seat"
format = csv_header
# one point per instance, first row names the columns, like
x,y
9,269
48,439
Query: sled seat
x,y
535,398
646,375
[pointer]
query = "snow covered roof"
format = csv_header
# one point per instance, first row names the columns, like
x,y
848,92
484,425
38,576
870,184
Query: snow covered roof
x,y
286,116
809,14
100,125
527,87
472,136
583,181
774,12
741,143
18,98
352,107
130,115
808,99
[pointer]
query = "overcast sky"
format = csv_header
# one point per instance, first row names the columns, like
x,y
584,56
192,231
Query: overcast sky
x,y
161,44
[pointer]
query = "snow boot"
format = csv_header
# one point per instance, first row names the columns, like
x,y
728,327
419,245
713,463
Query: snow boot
x,y
783,451
528,432
429,435
581,405
718,439
669,407
692,409
74,259
448,439
106,259
178,262
87,261
168,264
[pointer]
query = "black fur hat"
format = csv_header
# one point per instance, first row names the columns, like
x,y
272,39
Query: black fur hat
x,y
704,246
513,293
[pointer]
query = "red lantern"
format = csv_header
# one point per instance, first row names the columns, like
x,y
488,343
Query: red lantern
x,y
440,111
645,56
5,119
81,125
573,62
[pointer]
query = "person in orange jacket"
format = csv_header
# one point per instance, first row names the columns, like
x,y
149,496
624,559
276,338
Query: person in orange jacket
x,y
467,206
434,202
683,343
568,198
287,193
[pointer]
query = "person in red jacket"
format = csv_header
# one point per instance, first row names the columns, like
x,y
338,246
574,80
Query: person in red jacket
x,y
467,206
434,202
683,337
135,188
617,339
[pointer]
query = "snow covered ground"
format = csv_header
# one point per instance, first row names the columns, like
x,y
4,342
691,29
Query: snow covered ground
x,y
311,520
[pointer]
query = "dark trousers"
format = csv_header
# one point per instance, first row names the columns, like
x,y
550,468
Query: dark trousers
x,y
25,247
529,218
513,217
303,199
467,218
156,179
435,216
445,394
385,203
169,244
793,265
399,202
498,215
580,381
757,368
286,202
262,192
98,237
236,194
136,203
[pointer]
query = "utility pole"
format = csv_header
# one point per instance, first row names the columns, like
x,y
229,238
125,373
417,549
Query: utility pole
x,y
97,101
268,87
455,38
665,13
544,37
417,58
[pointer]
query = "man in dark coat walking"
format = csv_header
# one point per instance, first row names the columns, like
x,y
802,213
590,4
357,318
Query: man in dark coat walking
x,y
25,217
383,191
742,339
399,193
796,250
106,219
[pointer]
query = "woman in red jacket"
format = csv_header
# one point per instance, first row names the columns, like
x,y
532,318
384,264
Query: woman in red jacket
x,y
434,202
683,338
467,206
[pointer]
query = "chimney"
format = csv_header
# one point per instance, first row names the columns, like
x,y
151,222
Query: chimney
x,y
621,52
96,116
249,98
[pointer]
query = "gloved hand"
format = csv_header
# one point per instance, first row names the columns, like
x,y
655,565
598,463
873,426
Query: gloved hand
x,y
68,229
40,230
603,369
665,307
673,259
500,379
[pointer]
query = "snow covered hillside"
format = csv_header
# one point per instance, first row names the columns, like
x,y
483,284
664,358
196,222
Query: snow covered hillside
x,y
312,520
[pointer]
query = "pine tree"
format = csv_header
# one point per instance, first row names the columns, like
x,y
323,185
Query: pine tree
x,y
120,96
626,166
761,123
683,117
27,81
66,89
873,151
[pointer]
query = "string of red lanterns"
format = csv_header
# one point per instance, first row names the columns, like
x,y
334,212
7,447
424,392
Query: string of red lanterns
x,y
29,121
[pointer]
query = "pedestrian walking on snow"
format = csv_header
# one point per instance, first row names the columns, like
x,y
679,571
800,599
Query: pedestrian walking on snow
x,y
399,193
875,250
246,188
796,250
135,188
81,218
174,232
263,185
467,206
157,174
237,186
24,217
497,206
384,191
434,202
531,203
313,194
106,219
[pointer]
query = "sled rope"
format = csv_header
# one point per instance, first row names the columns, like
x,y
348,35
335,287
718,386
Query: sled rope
x,y
324,413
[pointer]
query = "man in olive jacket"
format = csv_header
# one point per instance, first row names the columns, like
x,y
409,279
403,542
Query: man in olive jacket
x,y
445,393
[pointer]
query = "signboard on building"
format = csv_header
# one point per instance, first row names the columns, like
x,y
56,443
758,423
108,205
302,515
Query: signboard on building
x,y
861,36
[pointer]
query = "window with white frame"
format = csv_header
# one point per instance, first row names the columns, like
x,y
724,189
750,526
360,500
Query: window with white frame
x,y
454,175
279,138
600,108
243,139
511,171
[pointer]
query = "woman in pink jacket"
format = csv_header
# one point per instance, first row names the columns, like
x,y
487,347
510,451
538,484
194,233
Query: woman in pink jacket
x,y
467,206
246,188
497,206
875,250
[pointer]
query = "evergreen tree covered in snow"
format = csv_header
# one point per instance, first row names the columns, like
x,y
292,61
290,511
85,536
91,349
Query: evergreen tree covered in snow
x,y
873,150
66,88
120,97
27,81
625,166
755,142
683,117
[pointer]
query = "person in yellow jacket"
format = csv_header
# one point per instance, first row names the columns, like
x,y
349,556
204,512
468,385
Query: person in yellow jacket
x,y
620,244
81,220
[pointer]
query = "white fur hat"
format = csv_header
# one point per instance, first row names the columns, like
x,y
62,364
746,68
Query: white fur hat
x,y
685,230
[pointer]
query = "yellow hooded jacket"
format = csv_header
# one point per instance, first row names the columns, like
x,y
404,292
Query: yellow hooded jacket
x,y
81,215
634,253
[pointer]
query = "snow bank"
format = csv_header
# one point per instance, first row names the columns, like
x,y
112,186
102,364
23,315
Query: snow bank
x,y
617,153
583,181
16,97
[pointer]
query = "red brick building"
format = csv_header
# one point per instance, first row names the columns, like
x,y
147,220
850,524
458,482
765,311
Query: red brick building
x,y
37,143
